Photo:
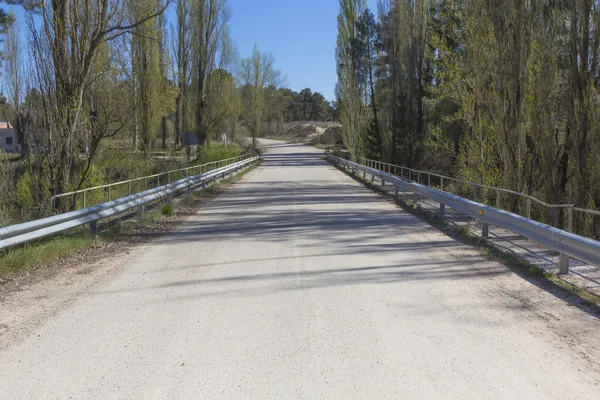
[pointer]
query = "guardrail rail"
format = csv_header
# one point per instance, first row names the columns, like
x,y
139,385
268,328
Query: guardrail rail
x,y
26,232
566,243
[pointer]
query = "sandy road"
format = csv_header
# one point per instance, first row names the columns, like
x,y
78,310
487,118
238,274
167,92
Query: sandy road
x,y
300,283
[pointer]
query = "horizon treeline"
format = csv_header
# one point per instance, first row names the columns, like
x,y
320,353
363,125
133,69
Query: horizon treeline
x,y
499,92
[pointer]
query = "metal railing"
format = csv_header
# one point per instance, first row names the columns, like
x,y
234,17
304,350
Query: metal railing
x,y
566,243
167,177
444,181
26,232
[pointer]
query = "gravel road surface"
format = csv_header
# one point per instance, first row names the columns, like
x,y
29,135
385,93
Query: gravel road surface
x,y
298,282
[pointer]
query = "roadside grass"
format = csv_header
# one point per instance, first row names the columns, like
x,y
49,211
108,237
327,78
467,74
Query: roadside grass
x,y
38,253
507,257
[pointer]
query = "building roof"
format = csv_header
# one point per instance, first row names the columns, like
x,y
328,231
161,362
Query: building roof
x,y
6,125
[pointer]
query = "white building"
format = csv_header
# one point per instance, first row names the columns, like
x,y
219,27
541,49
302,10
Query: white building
x,y
8,138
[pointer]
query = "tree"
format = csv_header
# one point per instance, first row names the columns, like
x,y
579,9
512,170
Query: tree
x,y
211,50
257,74
15,82
183,56
348,89
366,43
66,61
147,63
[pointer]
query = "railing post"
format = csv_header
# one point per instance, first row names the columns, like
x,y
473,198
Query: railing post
x,y
485,231
84,199
442,184
529,208
409,175
429,179
563,264
129,187
570,219
109,196
498,196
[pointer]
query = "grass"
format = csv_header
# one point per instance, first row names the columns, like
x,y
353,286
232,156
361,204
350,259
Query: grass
x,y
494,253
35,254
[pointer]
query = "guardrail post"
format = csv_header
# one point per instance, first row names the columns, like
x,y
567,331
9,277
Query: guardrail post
x,y
442,209
570,219
485,231
94,227
563,264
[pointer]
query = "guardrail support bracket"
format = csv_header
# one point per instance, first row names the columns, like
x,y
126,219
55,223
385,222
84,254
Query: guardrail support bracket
x,y
94,227
563,264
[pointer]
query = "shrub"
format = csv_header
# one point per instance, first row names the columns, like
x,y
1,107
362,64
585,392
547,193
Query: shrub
x,y
167,210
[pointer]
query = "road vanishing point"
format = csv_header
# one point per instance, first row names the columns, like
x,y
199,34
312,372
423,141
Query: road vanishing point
x,y
300,283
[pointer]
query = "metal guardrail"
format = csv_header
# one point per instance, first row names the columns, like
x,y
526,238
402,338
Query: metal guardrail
x,y
566,243
26,232
442,179
189,171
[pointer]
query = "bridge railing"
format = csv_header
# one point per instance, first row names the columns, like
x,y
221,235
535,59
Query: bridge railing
x,y
566,243
109,191
26,232
557,215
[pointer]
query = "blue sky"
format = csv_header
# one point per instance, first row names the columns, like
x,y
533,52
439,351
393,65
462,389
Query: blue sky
x,y
300,33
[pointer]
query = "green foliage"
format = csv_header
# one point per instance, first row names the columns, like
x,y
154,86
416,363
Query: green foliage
x,y
167,210
216,152
536,271
373,143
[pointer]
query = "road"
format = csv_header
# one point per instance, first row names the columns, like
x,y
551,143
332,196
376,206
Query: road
x,y
298,282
